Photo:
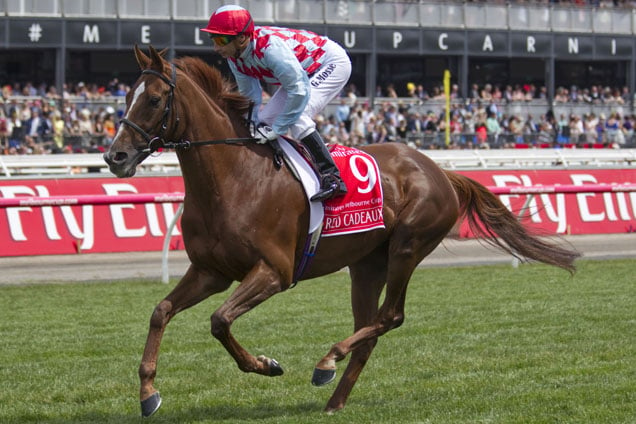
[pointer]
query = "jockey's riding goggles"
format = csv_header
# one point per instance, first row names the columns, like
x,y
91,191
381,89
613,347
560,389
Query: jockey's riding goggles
x,y
222,40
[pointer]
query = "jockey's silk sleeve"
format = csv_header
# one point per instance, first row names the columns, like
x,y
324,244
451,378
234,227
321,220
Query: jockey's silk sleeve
x,y
249,87
293,79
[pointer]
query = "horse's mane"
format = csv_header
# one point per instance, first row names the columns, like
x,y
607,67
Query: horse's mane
x,y
221,90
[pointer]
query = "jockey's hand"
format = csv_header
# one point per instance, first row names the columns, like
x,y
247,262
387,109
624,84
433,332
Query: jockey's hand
x,y
264,134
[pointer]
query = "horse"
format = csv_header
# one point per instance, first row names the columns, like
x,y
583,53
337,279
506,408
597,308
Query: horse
x,y
246,219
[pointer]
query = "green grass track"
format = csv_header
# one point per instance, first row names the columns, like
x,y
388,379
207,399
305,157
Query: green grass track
x,y
484,344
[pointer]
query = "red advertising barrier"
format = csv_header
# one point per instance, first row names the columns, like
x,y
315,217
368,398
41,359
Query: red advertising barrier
x,y
608,205
88,215
59,216
88,199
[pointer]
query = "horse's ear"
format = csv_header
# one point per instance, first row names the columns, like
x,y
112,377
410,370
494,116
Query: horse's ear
x,y
157,60
142,59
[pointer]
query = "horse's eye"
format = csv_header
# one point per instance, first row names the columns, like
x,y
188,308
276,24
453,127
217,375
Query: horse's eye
x,y
154,101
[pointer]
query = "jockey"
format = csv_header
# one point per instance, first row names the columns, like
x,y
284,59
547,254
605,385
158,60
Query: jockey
x,y
310,69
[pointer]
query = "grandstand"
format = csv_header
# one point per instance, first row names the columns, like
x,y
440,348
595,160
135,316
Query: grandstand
x,y
390,42
553,52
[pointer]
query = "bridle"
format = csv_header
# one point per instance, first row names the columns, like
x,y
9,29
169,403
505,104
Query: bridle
x,y
158,141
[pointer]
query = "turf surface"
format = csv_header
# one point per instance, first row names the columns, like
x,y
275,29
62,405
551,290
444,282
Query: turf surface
x,y
487,344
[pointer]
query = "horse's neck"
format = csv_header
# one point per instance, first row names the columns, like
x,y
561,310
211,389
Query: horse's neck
x,y
213,171
206,165
210,170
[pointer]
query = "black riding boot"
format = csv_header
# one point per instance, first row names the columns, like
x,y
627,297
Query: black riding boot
x,y
331,185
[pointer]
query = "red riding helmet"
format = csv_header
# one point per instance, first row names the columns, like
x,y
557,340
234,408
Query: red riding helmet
x,y
230,20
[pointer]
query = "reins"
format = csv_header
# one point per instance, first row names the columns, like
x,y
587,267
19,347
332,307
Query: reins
x,y
157,142
186,144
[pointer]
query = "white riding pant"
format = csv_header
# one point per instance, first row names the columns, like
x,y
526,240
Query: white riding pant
x,y
325,85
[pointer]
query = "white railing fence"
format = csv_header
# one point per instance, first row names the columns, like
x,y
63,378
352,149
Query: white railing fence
x,y
93,163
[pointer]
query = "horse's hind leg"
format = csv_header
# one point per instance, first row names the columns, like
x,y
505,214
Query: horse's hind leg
x,y
389,316
192,289
367,280
406,251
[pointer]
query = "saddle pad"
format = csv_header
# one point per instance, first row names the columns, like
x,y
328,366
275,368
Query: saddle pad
x,y
357,211
360,209
309,182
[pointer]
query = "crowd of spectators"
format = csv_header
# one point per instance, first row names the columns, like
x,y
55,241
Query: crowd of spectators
x,y
39,120
481,120
593,95
85,118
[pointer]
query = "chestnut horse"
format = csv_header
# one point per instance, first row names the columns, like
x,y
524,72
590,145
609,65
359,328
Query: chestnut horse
x,y
245,219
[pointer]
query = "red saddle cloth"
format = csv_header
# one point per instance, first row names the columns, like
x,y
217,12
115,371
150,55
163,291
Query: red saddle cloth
x,y
360,209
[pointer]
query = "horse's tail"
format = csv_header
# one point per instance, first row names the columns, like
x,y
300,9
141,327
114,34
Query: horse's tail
x,y
490,220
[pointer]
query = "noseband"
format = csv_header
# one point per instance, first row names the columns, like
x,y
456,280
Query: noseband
x,y
157,142
154,143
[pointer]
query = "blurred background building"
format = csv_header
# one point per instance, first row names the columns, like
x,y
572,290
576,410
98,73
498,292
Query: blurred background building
x,y
544,44
547,72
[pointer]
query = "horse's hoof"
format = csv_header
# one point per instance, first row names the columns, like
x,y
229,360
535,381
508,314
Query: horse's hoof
x,y
322,377
330,410
274,368
149,406
272,364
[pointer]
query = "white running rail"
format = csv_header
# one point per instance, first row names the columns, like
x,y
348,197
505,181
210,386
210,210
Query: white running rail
x,y
82,163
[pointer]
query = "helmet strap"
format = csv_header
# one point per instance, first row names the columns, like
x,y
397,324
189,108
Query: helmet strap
x,y
245,27
241,45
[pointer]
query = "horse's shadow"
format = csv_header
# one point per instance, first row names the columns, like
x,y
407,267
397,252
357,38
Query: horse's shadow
x,y
202,413
253,413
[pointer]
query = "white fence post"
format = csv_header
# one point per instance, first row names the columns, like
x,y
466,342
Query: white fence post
x,y
165,277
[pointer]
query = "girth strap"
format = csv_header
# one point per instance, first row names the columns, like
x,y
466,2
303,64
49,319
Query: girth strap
x,y
308,254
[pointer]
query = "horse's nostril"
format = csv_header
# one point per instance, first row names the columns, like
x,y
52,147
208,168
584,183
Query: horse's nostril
x,y
121,157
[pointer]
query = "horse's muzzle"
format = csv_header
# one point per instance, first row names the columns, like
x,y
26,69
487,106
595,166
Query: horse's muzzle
x,y
122,164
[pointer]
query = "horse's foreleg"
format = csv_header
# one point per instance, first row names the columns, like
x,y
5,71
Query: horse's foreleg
x,y
260,284
192,289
